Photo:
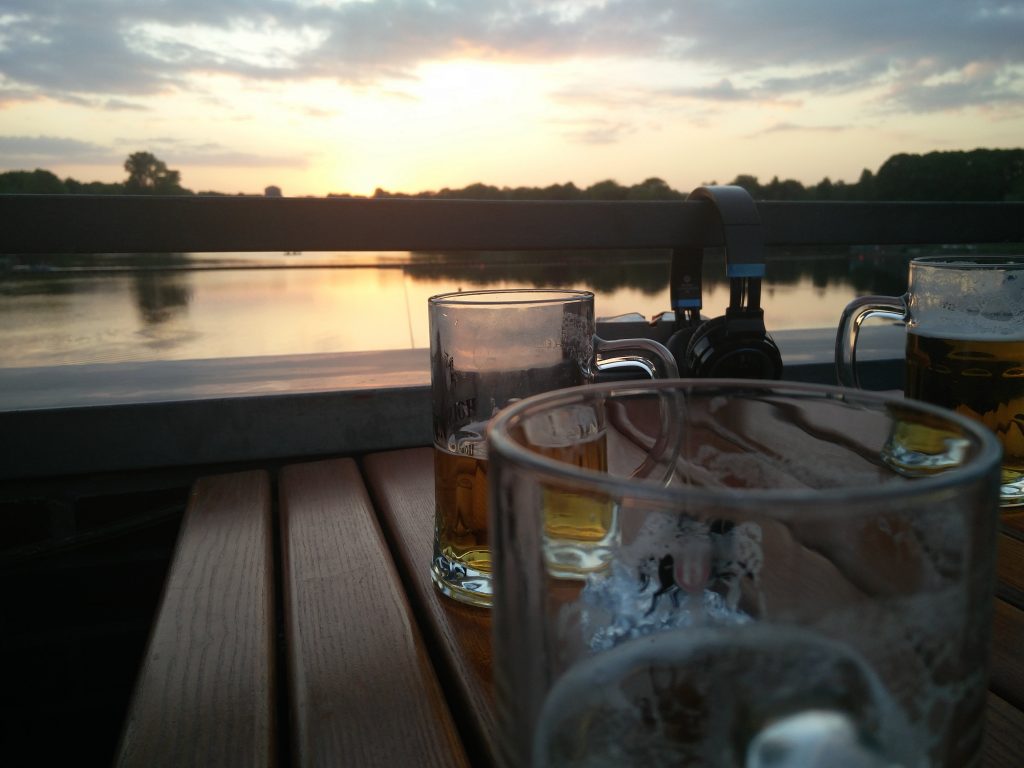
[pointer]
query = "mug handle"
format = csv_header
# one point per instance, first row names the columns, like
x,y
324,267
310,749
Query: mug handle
x,y
656,360
653,357
856,312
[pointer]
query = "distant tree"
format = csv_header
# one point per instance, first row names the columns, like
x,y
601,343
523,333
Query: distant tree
x,y
1013,174
865,186
568,191
652,189
477,191
148,175
749,183
788,189
981,174
842,191
521,193
38,182
902,177
608,189
825,190
75,187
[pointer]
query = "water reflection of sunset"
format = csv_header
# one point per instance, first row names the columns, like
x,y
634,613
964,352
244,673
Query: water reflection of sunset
x,y
320,305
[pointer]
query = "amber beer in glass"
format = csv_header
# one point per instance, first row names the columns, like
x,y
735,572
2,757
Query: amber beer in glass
x,y
491,348
981,378
460,493
578,528
964,350
575,523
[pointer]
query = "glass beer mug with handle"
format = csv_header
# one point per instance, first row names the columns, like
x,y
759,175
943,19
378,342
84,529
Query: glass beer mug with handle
x,y
490,348
787,598
964,351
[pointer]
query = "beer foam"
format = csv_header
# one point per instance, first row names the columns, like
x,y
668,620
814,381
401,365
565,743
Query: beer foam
x,y
989,306
958,327
561,428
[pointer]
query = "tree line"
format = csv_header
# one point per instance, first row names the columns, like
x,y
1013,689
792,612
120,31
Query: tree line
x,y
979,174
147,175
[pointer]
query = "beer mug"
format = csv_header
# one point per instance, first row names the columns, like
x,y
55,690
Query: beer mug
x,y
965,347
490,348
787,598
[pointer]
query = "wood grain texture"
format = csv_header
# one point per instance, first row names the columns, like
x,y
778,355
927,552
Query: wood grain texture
x,y
1008,653
1004,734
361,687
1010,558
1010,568
402,485
205,694
1012,523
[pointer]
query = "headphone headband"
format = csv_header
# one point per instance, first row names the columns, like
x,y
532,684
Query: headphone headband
x,y
735,345
741,228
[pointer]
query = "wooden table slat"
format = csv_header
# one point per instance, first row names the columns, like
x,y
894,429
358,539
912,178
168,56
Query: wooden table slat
x,y
402,485
1008,653
1004,734
205,695
362,689
1012,522
1010,567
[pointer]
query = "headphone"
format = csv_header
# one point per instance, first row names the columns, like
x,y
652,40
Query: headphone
x,y
735,345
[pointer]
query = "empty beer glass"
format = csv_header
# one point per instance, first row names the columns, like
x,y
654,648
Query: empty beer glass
x,y
487,349
965,346
786,597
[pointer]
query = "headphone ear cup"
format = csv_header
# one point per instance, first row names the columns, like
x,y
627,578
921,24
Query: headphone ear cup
x,y
678,344
718,351
701,347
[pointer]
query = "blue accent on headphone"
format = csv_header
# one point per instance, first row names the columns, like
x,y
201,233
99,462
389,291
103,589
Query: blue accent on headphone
x,y
744,270
687,304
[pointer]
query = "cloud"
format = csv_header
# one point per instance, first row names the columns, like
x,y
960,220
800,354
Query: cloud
x,y
920,51
596,131
977,84
829,80
118,105
227,158
723,90
70,52
801,128
210,154
14,95
26,151
19,151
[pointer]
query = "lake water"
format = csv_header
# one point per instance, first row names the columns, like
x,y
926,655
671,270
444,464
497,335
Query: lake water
x,y
192,306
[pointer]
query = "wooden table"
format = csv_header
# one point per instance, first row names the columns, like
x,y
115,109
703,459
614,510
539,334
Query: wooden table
x,y
299,627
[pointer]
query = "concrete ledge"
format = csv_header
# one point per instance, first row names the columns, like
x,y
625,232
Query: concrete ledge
x,y
126,416
90,439
72,386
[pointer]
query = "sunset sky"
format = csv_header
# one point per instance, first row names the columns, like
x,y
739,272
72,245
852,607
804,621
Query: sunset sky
x,y
320,96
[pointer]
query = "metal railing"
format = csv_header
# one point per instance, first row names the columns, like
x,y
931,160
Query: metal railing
x,y
131,224
167,432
